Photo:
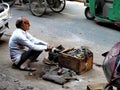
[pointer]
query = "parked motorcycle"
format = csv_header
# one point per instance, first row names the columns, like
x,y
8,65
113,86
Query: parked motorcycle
x,y
38,7
4,17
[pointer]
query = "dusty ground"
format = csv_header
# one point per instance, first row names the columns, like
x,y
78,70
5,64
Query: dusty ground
x,y
13,79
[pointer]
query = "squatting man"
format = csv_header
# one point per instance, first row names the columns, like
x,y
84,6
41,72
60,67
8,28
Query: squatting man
x,y
23,47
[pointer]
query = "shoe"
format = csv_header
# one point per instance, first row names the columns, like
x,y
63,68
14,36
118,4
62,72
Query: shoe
x,y
35,60
14,66
48,62
27,68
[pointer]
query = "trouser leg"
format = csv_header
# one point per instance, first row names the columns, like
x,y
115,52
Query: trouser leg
x,y
31,55
34,55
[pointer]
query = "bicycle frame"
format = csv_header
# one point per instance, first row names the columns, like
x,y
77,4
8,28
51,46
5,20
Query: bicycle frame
x,y
38,7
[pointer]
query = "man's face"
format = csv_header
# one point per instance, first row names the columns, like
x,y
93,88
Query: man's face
x,y
26,25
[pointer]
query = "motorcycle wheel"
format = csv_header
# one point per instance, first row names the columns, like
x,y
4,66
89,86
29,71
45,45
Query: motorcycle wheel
x,y
37,7
88,14
10,2
57,5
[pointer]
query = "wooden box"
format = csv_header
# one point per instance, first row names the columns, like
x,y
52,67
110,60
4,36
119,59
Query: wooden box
x,y
76,64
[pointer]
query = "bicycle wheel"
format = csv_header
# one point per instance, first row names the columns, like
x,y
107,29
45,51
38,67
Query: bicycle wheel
x,y
57,5
37,7
10,2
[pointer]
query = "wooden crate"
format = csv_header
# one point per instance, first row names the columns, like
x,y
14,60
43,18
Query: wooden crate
x,y
78,65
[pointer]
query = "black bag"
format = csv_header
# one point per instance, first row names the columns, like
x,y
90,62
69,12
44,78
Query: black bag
x,y
54,53
65,76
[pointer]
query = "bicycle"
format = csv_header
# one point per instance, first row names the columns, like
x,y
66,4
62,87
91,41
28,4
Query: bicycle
x,y
38,7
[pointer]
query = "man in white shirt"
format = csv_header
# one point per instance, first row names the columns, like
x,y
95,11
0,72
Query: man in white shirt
x,y
24,48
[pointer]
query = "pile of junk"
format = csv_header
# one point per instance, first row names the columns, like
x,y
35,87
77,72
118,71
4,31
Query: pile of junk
x,y
68,63
74,61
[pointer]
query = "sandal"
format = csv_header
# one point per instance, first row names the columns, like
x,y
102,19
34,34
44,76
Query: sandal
x,y
35,60
48,62
14,66
27,68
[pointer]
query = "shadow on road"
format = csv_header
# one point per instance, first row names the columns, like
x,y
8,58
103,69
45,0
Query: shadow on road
x,y
109,25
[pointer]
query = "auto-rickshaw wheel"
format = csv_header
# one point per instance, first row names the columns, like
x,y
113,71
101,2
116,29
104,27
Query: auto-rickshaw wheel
x,y
88,14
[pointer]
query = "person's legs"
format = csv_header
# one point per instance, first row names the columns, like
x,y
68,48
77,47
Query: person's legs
x,y
28,57
34,55
25,63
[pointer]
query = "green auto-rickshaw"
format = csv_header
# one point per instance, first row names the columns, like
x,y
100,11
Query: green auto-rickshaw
x,y
103,10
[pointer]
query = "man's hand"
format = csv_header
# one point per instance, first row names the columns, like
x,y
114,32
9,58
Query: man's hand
x,y
48,48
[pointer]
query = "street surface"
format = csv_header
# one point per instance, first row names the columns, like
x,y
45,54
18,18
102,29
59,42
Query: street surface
x,y
69,28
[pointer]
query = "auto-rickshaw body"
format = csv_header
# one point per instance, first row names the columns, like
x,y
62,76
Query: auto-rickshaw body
x,y
103,10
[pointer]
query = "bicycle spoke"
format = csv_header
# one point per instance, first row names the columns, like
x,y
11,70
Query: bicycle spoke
x,y
37,7
58,5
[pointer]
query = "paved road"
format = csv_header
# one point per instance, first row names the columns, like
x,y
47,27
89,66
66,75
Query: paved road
x,y
71,29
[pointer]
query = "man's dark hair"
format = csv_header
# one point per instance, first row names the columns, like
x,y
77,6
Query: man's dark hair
x,y
19,22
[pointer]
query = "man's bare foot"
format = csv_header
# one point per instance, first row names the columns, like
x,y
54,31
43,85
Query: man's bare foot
x,y
27,68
